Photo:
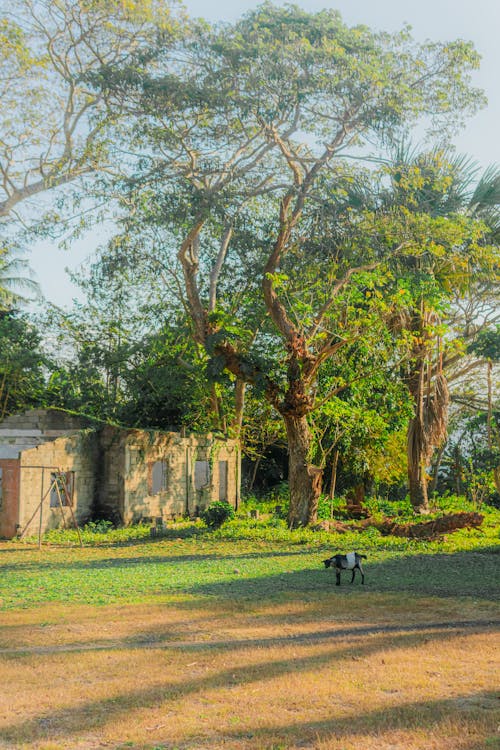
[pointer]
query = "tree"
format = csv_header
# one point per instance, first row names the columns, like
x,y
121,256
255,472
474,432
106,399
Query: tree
x,y
53,125
250,122
450,222
23,367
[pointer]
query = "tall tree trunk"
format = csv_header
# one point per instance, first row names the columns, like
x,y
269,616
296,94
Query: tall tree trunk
x,y
417,476
416,443
436,467
304,478
217,412
333,480
239,407
254,473
427,430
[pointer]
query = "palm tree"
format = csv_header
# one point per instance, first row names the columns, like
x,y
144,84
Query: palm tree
x,y
16,279
441,185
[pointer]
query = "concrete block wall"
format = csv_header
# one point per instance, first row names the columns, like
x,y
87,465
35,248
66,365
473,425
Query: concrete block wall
x,y
143,450
179,454
20,432
113,470
75,453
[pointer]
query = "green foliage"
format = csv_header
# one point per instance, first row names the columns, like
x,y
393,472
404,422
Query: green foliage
x,y
328,508
487,344
217,513
471,457
22,364
98,527
16,277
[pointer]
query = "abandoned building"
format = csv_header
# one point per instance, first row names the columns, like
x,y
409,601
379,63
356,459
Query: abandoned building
x,y
50,459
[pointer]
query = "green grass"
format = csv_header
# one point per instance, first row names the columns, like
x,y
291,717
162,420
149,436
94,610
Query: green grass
x,y
244,559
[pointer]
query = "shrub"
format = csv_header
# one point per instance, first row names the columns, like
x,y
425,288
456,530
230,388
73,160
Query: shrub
x,y
98,527
217,513
326,505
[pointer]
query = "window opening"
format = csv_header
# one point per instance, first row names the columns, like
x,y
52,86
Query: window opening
x,y
222,480
201,474
159,477
64,482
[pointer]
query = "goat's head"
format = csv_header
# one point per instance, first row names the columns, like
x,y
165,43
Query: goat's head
x,y
327,563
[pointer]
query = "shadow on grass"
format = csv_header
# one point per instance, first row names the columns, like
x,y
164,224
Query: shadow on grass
x,y
126,562
418,715
176,639
461,574
92,715
443,575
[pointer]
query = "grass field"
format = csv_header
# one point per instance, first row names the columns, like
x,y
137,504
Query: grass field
x,y
239,639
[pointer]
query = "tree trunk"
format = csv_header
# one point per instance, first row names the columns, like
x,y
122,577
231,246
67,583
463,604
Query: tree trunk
x,y
304,478
435,469
254,473
417,477
417,443
427,429
333,480
239,407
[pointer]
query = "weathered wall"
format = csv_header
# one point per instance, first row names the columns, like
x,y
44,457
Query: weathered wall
x,y
143,450
180,493
121,474
213,451
76,453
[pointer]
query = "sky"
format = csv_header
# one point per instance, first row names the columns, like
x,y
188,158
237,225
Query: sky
x,y
443,20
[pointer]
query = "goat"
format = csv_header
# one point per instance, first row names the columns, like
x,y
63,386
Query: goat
x,y
351,561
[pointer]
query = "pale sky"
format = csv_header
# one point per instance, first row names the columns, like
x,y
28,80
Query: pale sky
x,y
444,20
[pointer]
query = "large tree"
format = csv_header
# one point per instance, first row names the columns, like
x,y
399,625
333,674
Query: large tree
x,y
259,119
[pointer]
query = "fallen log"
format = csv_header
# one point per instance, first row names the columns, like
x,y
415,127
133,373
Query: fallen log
x,y
427,530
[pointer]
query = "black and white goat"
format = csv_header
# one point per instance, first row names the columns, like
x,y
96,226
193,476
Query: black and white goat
x,y
351,561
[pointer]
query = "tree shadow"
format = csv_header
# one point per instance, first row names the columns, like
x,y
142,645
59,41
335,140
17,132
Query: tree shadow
x,y
91,715
125,562
461,574
421,715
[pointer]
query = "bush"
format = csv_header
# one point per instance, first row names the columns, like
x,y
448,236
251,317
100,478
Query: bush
x,y
325,507
98,527
217,513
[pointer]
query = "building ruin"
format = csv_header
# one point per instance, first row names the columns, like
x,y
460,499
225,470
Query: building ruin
x,y
124,475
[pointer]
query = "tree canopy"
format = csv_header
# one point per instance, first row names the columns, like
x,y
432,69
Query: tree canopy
x,y
273,236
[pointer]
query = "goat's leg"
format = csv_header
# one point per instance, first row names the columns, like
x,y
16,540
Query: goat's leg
x,y
337,574
353,574
362,574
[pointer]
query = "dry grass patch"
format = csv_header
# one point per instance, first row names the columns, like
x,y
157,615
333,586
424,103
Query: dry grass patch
x,y
244,680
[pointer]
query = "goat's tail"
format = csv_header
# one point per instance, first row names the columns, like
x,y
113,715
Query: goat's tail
x,y
365,557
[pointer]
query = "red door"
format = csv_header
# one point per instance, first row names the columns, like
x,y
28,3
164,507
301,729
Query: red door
x,y
9,497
